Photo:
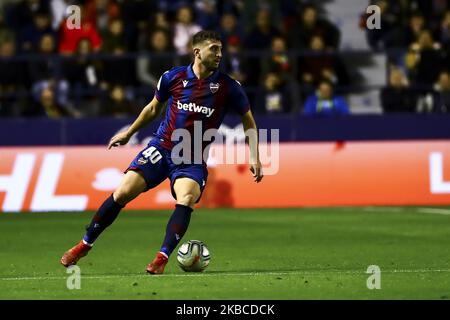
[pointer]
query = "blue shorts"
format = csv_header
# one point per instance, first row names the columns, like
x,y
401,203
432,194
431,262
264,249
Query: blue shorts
x,y
155,164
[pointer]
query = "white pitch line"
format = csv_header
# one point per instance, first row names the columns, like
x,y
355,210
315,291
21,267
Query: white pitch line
x,y
434,210
384,209
230,274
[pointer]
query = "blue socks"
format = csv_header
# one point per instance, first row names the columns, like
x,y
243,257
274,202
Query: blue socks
x,y
176,228
104,217
109,210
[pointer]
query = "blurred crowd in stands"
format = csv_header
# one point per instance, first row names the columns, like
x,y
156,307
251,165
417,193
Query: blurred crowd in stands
x,y
286,53
418,71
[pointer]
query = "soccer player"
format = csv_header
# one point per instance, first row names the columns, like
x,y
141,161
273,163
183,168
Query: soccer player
x,y
198,96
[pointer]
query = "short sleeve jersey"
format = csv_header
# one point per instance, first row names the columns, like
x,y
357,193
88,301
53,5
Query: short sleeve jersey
x,y
196,104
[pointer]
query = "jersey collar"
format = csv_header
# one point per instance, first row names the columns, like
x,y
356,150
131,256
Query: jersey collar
x,y
191,74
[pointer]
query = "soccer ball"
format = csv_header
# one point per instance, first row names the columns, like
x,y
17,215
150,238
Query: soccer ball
x,y
193,256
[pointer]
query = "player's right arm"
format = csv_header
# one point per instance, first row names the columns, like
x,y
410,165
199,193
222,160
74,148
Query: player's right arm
x,y
147,115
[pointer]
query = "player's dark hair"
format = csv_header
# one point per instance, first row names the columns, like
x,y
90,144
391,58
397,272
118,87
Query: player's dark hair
x,y
204,35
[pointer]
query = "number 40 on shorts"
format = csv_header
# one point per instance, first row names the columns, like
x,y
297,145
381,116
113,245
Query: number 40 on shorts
x,y
152,154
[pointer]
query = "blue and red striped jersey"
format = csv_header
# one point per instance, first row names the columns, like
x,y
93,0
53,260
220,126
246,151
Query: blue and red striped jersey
x,y
196,100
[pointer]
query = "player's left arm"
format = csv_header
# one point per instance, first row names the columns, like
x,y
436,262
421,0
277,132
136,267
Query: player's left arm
x,y
251,132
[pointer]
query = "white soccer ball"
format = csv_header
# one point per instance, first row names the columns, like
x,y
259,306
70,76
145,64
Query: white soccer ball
x,y
193,256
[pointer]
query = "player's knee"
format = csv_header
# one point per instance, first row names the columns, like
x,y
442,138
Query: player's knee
x,y
122,196
187,199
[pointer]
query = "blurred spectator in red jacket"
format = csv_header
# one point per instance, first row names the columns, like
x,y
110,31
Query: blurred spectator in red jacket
x,y
69,38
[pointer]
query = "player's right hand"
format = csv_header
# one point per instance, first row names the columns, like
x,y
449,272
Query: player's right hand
x,y
119,139
256,170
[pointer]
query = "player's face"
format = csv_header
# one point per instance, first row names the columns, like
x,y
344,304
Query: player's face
x,y
210,54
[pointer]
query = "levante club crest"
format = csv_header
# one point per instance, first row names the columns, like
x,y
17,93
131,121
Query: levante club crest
x,y
214,87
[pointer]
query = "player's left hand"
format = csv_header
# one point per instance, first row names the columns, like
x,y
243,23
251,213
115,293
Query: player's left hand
x,y
256,170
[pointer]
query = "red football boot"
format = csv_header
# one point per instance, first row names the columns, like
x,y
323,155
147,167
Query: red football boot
x,y
72,256
158,264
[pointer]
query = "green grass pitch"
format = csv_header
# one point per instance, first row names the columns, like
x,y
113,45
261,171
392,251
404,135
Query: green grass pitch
x,y
319,253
